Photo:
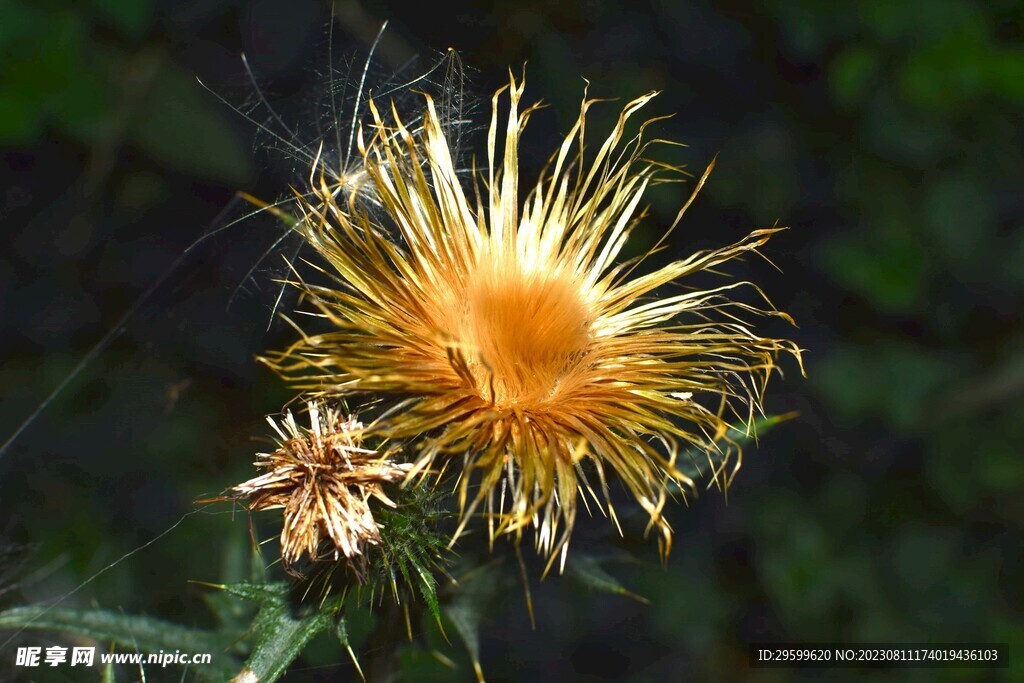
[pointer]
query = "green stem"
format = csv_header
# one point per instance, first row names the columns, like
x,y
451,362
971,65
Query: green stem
x,y
281,638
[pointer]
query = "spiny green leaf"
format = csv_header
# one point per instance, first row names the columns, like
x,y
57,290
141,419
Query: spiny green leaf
x,y
342,632
698,464
412,548
428,588
275,592
475,591
761,426
587,570
403,568
466,621
136,632
282,635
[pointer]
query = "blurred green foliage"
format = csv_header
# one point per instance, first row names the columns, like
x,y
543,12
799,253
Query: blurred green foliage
x,y
887,134
85,70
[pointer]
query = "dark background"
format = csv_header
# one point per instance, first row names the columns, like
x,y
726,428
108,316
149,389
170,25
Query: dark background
x,y
886,135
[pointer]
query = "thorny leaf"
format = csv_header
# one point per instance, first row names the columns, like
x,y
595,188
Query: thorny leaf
x,y
281,638
281,633
701,465
342,632
476,591
588,571
136,632
256,592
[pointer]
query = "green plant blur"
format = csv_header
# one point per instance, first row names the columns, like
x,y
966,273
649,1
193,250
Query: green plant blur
x,y
887,135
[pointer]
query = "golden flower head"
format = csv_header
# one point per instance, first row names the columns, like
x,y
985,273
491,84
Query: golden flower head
x,y
324,479
511,338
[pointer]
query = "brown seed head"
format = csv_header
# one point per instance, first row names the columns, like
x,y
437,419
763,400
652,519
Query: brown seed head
x,y
324,479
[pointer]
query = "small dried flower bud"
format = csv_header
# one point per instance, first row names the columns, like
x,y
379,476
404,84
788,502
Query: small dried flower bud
x,y
324,479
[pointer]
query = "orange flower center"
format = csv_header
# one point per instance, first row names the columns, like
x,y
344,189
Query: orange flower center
x,y
523,332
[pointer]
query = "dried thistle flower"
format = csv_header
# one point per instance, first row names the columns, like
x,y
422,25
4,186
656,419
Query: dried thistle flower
x,y
324,479
509,336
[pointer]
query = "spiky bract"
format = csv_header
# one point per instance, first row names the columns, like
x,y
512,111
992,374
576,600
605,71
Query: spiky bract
x,y
324,479
509,337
